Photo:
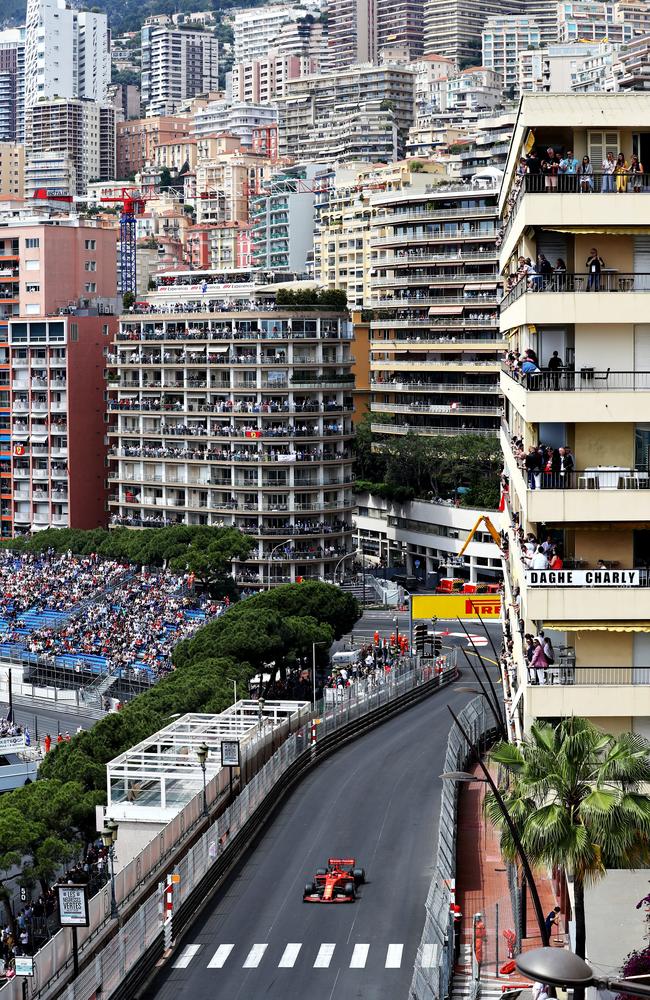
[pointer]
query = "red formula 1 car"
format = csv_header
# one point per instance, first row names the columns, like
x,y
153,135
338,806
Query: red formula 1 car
x,y
335,884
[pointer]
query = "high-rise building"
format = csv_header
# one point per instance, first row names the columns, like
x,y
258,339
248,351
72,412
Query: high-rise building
x,y
258,29
591,407
178,62
261,80
67,53
453,27
352,32
136,141
252,428
12,85
400,23
502,39
282,220
12,169
82,130
237,118
435,344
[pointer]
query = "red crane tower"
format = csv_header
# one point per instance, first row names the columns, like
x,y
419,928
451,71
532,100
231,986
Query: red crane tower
x,y
133,202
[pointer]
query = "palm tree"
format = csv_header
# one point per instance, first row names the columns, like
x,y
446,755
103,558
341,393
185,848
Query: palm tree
x,y
573,792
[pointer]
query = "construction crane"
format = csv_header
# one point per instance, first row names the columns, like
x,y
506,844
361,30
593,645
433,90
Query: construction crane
x,y
133,202
496,537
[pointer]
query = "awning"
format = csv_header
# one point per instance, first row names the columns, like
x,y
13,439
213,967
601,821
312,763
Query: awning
x,y
218,350
591,627
601,230
446,310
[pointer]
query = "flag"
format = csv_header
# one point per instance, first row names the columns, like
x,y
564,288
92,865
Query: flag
x,y
28,739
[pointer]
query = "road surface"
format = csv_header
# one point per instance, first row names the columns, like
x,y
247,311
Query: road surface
x,y
376,800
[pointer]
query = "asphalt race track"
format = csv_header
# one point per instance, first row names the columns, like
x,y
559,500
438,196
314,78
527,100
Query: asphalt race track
x,y
376,800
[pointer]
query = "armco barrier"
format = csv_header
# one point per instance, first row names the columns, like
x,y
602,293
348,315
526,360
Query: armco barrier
x,y
127,960
434,981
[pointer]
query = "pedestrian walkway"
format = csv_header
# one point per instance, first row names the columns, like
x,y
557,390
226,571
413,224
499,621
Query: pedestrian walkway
x,y
286,956
482,887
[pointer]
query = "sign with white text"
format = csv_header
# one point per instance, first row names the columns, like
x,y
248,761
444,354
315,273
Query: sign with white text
x,y
12,744
24,965
583,578
73,905
230,753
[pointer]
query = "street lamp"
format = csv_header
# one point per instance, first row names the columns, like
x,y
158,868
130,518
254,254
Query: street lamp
x,y
202,752
234,684
525,864
481,692
313,672
109,836
342,559
275,548
260,711
559,967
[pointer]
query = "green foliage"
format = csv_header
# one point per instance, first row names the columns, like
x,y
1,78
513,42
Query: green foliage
x,y
45,822
128,299
334,299
575,796
406,466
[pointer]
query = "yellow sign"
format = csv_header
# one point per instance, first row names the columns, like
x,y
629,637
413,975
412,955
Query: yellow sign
x,y
175,878
467,606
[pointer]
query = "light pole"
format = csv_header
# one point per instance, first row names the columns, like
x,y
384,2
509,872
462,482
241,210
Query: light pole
x,y
342,559
559,967
525,864
275,548
202,752
260,712
313,672
109,836
234,684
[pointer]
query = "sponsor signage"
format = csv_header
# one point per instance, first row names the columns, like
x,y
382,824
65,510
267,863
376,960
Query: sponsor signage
x,y
583,578
12,744
24,965
73,905
230,753
466,606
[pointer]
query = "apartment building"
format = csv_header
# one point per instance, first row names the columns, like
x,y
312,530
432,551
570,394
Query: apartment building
x,y
226,176
238,118
257,29
12,85
597,607
502,40
178,62
241,415
12,169
136,141
453,28
84,130
352,32
365,95
261,80
282,220
219,246
435,344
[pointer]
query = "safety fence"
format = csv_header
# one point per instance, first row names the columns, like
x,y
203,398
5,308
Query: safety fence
x,y
432,977
116,968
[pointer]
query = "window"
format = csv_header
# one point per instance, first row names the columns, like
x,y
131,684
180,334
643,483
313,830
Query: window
x,y
91,286
74,331
31,308
32,265
91,244
90,265
31,288
32,243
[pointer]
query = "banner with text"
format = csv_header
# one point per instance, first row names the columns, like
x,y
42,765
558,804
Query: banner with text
x,y
583,578
467,606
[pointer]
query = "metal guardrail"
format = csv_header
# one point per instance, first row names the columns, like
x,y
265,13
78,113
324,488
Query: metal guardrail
x,y
126,961
432,978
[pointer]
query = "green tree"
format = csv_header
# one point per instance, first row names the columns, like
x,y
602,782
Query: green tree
x,y
128,299
210,556
369,463
574,794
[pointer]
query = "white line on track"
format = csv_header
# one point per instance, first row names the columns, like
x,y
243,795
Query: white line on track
x,y
220,956
186,956
289,956
324,956
359,956
254,956
394,956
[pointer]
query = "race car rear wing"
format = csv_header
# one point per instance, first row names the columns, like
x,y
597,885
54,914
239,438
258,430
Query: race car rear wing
x,y
340,862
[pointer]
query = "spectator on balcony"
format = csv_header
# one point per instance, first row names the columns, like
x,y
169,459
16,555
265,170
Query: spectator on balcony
x,y
555,561
636,173
620,172
594,265
539,559
554,366
559,276
533,467
533,166
539,661
550,169
608,168
568,169
545,269
586,175
566,468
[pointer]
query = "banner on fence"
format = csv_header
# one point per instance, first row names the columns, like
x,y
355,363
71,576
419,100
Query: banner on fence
x,y
451,606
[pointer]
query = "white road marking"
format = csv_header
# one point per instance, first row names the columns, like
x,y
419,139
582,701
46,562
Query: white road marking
x,y
289,956
254,956
394,956
428,956
324,956
359,956
218,960
186,956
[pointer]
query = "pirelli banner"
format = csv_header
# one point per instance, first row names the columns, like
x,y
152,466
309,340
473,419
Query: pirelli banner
x,y
452,606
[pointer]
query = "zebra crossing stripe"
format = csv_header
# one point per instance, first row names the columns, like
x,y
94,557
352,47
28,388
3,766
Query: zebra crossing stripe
x,y
394,956
324,956
289,956
254,956
218,960
186,956
359,956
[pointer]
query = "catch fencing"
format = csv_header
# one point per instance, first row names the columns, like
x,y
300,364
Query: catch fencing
x,y
432,977
116,968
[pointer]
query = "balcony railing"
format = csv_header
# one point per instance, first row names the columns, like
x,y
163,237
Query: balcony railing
x,y
607,280
569,676
403,429
586,379
601,477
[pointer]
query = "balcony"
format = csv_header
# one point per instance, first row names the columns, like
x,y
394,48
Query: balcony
x,y
567,595
432,431
565,299
448,408
567,206
589,395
